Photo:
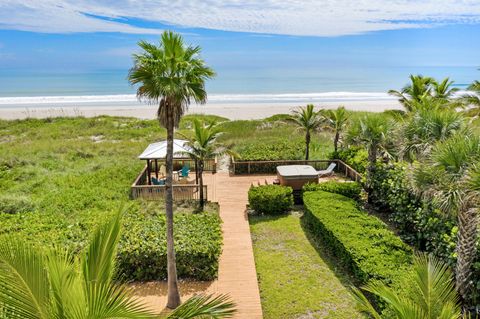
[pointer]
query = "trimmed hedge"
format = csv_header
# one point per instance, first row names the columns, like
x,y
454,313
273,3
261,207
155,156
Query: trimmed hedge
x,y
349,189
270,199
142,247
363,242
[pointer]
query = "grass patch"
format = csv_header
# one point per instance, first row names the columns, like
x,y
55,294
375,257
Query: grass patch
x,y
296,279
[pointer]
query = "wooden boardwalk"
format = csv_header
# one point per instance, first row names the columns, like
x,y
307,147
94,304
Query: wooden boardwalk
x,y
237,276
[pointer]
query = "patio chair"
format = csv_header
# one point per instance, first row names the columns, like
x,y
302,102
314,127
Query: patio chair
x,y
328,171
184,171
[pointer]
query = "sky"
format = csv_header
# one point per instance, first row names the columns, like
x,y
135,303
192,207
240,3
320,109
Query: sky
x,y
91,35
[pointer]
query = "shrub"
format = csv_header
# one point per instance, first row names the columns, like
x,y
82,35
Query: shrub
x,y
270,199
142,253
280,149
10,204
355,157
349,189
362,242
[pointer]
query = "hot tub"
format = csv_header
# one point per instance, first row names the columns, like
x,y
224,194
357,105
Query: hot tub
x,y
296,176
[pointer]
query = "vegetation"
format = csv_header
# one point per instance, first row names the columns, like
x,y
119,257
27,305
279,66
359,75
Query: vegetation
x,y
308,120
337,121
362,242
170,75
349,189
297,277
37,284
270,199
203,145
433,295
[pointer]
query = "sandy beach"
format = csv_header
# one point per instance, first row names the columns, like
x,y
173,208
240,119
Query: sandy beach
x,y
233,111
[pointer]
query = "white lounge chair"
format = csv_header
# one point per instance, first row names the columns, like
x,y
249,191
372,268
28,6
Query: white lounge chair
x,y
328,171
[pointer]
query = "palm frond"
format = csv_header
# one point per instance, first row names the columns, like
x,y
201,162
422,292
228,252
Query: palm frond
x,y
205,306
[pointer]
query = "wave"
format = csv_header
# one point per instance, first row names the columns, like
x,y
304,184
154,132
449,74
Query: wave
x,y
212,98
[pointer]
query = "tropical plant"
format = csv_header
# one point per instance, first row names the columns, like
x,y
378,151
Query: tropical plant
x,y
202,145
443,90
55,284
450,179
472,100
308,120
431,294
421,130
372,132
170,75
419,87
336,121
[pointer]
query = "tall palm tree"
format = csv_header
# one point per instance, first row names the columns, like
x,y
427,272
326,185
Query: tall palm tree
x,y
432,293
450,179
419,87
308,120
472,100
337,121
421,130
203,144
55,284
171,75
371,132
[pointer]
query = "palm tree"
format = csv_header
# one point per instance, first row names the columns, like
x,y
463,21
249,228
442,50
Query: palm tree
x,y
431,295
55,284
371,132
421,130
443,90
308,120
472,100
337,121
419,87
450,179
203,144
170,75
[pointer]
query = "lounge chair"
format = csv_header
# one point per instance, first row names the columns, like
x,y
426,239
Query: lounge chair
x,y
328,171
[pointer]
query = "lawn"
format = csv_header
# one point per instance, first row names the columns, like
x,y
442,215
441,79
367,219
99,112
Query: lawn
x,y
297,279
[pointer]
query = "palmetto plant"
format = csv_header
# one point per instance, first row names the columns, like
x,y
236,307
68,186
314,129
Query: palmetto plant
x,y
443,90
418,88
450,179
308,120
372,132
422,129
431,293
55,284
472,100
203,144
170,75
336,120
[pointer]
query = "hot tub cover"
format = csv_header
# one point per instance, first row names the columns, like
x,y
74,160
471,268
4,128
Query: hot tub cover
x,y
297,171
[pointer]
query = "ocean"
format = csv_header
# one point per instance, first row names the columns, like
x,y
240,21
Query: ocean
x,y
21,88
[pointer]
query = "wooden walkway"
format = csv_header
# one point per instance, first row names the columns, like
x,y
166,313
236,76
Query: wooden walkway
x,y
237,276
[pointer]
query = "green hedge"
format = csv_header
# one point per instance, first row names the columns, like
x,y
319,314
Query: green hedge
x,y
362,242
354,156
270,199
142,247
349,189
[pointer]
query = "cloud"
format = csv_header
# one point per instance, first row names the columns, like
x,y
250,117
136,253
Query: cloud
x,y
287,17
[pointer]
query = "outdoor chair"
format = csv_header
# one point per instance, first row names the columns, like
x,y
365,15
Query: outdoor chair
x,y
328,171
184,171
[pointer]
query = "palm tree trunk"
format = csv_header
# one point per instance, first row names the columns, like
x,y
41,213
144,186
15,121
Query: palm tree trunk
x,y
173,293
307,145
335,141
200,173
466,250
372,162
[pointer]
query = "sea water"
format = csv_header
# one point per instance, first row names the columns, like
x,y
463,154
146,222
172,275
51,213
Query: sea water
x,y
247,85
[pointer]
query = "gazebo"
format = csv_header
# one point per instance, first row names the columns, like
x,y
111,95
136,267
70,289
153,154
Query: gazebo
x,y
158,151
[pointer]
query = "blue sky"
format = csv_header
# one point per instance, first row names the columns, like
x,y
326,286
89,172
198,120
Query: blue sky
x,y
244,36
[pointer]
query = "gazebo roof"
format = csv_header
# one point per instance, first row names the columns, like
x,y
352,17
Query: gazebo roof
x,y
159,150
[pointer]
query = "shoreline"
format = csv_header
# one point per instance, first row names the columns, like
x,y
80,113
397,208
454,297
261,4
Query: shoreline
x,y
232,111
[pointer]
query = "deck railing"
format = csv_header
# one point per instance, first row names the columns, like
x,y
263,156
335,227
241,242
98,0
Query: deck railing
x,y
181,192
209,165
269,167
